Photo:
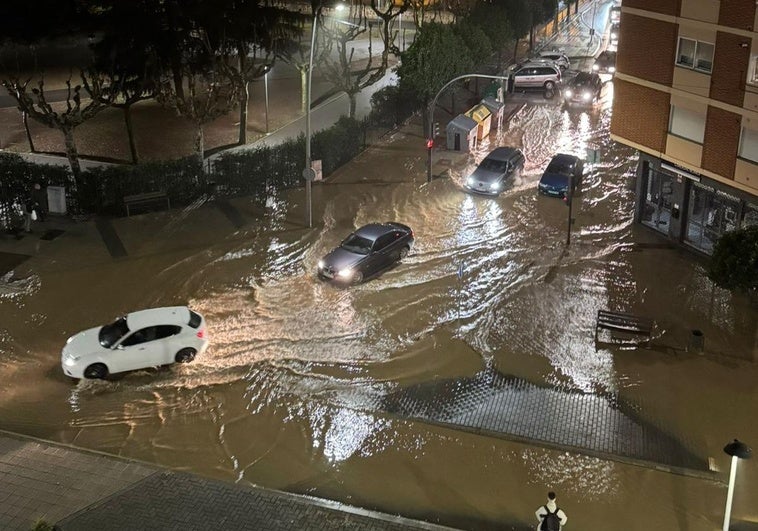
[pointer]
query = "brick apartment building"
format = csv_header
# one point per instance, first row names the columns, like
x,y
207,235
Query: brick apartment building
x,y
686,97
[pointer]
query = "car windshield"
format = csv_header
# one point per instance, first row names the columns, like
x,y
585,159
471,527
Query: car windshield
x,y
562,167
111,333
581,79
357,244
493,165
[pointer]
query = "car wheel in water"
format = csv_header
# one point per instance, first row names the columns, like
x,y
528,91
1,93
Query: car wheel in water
x,y
402,254
96,371
549,86
185,355
358,277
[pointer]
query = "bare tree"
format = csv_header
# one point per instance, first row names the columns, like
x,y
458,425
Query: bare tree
x,y
388,13
200,97
340,67
64,116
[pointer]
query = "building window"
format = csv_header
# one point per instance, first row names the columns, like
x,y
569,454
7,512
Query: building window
x,y
697,55
754,71
687,124
748,145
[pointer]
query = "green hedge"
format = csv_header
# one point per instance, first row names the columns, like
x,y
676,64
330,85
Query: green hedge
x,y
256,172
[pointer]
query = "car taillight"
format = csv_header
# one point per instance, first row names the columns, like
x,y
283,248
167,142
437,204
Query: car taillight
x,y
201,334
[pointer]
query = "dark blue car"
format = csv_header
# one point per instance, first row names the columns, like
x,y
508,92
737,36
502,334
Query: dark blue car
x,y
555,179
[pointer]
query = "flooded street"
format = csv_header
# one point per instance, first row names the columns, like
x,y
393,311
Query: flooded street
x,y
288,395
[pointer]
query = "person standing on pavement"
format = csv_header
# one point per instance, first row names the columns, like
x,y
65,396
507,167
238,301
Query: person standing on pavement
x,y
550,516
39,198
29,214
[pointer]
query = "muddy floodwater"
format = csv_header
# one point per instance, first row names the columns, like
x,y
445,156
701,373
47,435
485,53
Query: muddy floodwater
x,y
286,396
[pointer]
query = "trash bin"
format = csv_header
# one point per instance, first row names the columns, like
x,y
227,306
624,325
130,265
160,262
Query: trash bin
x,y
697,341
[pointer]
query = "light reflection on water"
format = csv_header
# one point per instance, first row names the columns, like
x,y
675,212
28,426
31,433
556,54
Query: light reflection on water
x,y
291,385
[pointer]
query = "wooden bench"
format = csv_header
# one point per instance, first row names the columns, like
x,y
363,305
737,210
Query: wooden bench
x,y
145,199
626,323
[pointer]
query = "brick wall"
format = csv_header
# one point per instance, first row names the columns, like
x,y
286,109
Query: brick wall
x,y
649,48
667,7
730,64
722,137
640,114
737,14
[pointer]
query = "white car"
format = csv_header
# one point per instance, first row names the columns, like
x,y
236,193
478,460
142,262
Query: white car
x,y
139,340
558,57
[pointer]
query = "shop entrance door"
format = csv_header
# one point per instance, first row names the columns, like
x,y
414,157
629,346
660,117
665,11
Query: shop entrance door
x,y
656,212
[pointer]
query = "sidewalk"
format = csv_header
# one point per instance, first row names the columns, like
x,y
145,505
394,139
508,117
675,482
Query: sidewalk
x,y
82,490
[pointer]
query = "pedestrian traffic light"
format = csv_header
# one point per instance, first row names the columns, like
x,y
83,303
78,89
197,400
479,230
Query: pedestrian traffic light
x,y
429,143
436,129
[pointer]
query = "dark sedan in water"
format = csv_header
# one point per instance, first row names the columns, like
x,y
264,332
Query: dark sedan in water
x,y
367,252
555,179
584,89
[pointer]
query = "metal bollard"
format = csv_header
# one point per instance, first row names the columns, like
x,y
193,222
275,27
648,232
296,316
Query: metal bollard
x,y
697,341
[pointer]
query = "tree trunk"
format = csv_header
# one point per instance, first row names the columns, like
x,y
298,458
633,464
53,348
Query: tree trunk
x,y
72,154
130,133
244,95
200,143
244,99
353,104
304,89
25,118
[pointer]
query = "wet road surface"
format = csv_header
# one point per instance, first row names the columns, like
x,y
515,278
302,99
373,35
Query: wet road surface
x,y
286,395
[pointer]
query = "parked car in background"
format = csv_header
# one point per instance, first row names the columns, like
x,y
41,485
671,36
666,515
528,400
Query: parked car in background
x,y
615,14
537,74
558,57
367,252
583,89
605,63
498,167
562,168
138,340
613,34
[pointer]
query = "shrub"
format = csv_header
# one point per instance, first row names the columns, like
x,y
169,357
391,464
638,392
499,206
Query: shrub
x,y
734,263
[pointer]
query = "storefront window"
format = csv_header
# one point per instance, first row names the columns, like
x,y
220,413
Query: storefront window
x,y
711,213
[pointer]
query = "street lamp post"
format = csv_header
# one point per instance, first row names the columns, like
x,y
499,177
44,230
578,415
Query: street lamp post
x,y
308,173
738,450
265,85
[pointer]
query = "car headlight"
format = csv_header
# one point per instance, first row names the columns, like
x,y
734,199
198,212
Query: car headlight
x,y
71,361
321,264
611,69
569,93
586,96
613,35
470,181
345,273
596,67
495,186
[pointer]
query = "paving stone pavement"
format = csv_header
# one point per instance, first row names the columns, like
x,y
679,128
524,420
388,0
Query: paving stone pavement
x,y
499,405
82,490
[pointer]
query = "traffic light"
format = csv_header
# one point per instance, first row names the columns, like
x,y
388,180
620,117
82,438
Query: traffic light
x,y
430,143
436,130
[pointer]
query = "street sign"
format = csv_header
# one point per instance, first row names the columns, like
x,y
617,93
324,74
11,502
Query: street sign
x,y
593,155
316,165
309,174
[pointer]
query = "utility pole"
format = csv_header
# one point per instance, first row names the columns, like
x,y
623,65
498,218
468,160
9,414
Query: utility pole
x,y
568,198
